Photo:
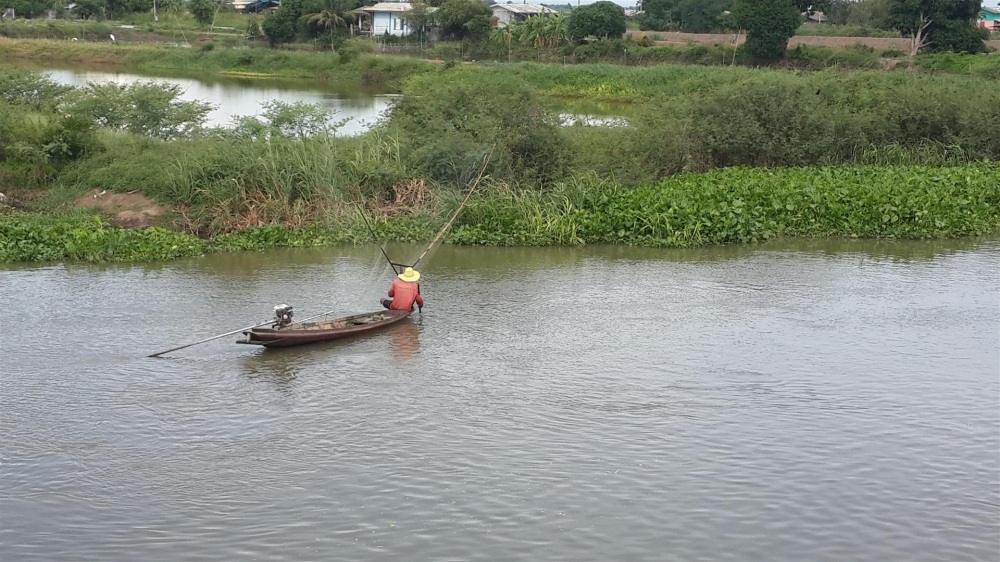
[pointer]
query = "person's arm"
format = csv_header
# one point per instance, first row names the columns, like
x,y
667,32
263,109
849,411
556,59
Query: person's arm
x,y
420,301
392,289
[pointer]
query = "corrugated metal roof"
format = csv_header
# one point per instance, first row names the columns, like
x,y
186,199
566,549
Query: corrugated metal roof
x,y
391,7
525,8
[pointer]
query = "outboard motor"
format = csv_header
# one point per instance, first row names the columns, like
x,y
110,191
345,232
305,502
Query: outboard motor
x,y
282,315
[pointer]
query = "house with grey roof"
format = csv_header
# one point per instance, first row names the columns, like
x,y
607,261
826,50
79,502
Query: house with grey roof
x,y
504,14
389,18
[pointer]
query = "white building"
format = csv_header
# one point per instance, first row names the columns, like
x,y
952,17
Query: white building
x,y
389,17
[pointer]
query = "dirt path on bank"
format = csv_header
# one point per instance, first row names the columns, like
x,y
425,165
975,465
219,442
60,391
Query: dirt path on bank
x,y
131,209
678,38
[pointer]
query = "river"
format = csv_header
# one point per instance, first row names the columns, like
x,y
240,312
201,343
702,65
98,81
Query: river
x,y
810,400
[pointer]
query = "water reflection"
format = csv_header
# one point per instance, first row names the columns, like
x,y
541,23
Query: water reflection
x,y
239,98
406,339
278,369
363,105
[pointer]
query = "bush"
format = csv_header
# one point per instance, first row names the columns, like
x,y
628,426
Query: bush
x,y
767,119
354,48
29,89
810,57
147,109
451,122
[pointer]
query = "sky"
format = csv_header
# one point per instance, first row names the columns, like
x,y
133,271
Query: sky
x,y
632,3
625,3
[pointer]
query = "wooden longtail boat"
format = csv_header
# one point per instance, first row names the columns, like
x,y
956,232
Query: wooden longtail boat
x,y
312,332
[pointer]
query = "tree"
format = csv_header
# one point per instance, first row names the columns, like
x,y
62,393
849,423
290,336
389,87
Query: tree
x,y
872,14
419,18
659,15
26,8
119,8
331,22
203,11
170,6
601,19
86,9
769,25
282,25
692,16
464,19
939,25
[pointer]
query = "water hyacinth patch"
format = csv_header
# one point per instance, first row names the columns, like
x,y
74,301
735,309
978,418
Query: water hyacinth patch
x,y
28,237
747,205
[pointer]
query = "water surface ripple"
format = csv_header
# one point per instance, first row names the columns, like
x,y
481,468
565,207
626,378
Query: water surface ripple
x,y
826,401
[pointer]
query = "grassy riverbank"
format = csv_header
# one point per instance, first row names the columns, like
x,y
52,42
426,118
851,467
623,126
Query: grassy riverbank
x,y
257,62
714,156
726,206
360,58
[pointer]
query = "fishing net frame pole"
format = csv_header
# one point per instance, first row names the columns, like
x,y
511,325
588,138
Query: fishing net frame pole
x,y
482,170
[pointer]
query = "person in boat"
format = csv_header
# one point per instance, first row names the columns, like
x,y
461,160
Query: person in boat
x,y
405,292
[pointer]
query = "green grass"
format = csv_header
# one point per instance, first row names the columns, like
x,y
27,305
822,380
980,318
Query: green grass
x,y
736,205
832,30
29,237
982,66
739,205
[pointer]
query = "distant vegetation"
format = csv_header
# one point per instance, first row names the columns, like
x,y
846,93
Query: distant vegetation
x,y
715,155
462,29
945,25
716,152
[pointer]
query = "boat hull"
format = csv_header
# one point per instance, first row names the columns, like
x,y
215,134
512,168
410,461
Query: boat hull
x,y
329,330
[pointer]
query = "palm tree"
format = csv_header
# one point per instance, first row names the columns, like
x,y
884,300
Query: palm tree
x,y
330,21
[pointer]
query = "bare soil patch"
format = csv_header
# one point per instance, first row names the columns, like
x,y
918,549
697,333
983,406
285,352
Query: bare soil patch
x,y
133,209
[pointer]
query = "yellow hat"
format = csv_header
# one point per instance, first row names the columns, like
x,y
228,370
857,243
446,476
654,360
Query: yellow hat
x,y
410,275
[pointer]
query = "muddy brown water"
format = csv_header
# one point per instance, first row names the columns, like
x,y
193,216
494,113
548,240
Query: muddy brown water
x,y
819,400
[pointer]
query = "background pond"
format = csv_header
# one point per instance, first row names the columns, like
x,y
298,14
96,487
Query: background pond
x,y
364,106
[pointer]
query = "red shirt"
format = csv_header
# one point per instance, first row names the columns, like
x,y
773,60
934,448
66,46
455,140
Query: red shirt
x,y
404,294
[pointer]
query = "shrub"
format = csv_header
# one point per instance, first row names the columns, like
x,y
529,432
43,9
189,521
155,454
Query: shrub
x,y
29,89
451,122
148,109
